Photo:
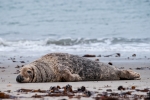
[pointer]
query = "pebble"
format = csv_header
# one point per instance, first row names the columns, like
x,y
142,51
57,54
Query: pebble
x,y
89,55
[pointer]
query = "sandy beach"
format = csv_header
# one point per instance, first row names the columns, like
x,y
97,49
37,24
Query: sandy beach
x,y
9,70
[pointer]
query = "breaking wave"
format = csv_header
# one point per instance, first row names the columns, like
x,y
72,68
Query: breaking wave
x,y
103,44
71,42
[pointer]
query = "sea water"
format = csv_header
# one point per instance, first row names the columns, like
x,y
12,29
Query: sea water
x,y
37,27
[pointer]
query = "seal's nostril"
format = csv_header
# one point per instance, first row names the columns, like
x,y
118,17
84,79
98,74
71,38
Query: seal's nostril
x,y
19,78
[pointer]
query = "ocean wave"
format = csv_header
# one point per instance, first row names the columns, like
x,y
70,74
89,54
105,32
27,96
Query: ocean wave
x,y
111,41
78,44
72,42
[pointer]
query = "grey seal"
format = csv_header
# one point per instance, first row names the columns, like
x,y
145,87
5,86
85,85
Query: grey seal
x,y
64,67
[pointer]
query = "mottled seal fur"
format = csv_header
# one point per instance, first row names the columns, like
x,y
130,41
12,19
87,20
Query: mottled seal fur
x,y
58,67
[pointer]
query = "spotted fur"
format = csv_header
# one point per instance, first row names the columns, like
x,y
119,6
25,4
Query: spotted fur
x,y
57,67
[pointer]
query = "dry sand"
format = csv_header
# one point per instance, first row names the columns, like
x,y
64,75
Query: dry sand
x,y
8,78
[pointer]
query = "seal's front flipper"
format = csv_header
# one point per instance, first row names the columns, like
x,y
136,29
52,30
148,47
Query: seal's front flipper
x,y
67,76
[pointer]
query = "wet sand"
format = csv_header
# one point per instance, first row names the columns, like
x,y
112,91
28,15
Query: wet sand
x,y
9,67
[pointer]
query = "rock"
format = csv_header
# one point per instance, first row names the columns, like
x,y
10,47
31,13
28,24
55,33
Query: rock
x,y
63,99
138,68
14,61
118,55
96,59
82,89
54,89
99,56
107,86
22,61
37,96
17,66
107,55
109,90
134,55
89,55
121,88
88,93
110,63
58,87
67,89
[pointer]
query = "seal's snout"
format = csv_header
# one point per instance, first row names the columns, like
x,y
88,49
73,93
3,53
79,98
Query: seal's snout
x,y
19,78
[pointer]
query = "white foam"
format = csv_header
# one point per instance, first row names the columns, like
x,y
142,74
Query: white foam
x,y
79,45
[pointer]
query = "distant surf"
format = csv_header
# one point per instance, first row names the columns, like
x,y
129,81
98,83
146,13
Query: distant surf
x,y
79,44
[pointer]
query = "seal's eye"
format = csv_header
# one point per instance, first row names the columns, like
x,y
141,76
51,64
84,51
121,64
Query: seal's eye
x,y
29,72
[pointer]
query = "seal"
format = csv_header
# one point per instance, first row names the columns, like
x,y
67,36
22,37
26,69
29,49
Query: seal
x,y
64,67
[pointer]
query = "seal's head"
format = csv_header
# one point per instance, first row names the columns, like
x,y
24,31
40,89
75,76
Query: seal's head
x,y
129,75
26,74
